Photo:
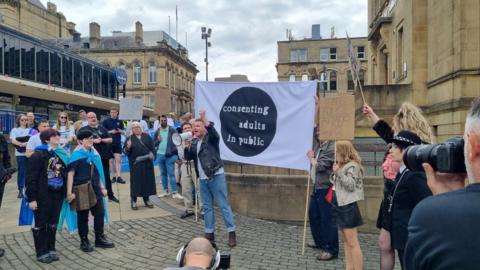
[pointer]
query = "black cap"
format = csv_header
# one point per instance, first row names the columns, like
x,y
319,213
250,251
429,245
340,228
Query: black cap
x,y
406,138
83,134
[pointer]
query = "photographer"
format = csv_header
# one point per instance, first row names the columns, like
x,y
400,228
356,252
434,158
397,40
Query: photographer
x,y
200,254
443,229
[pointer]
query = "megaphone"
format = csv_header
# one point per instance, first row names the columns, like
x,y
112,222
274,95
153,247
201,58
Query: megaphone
x,y
177,139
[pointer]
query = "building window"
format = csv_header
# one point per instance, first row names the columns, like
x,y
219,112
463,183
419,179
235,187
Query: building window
x,y
401,71
333,80
304,77
152,101
137,73
333,53
324,54
361,78
153,73
298,55
291,78
361,52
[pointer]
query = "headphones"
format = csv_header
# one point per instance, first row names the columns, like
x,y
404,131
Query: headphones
x,y
214,262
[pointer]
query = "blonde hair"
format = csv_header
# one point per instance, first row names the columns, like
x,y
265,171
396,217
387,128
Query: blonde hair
x,y
346,153
67,123
409,117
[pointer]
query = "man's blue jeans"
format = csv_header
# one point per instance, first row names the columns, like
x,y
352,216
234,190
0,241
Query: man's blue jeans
x,y
22,172
215,189
167,170
323,227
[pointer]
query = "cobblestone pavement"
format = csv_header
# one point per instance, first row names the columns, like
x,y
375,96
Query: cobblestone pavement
x,y
152,243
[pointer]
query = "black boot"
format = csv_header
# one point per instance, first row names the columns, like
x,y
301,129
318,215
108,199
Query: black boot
x,y
40,239
102,241
2,252
85,244
51,233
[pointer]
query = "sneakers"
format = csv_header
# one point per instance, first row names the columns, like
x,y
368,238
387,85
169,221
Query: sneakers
x,y
177,196
114,179
134,206
45,258
102,241
148,204
114,199
120,180
186,214
20,195
164,194
85,245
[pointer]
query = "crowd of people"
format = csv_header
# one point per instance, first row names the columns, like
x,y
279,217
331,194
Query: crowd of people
x,y
427,232
78,162
427,217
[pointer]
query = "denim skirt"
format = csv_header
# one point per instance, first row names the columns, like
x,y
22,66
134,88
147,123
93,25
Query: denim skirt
x,y
347,216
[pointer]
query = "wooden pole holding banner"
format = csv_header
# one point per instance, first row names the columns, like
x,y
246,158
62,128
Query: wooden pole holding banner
x,y
306,214
196,198
118,194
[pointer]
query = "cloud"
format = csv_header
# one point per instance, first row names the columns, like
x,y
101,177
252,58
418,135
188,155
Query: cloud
x,y
244,33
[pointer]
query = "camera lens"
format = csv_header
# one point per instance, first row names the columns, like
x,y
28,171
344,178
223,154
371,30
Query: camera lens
x,y
416,155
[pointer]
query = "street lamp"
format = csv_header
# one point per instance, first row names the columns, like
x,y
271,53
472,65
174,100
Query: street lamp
x,y
205,35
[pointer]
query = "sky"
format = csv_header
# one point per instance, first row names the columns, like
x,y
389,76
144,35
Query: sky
x,y
244,33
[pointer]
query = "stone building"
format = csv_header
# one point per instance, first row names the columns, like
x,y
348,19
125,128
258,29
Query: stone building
x,y
318,58
32,18
158,68
426,52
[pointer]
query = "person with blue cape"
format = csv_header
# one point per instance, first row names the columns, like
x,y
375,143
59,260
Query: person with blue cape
x,y
45,191
86,190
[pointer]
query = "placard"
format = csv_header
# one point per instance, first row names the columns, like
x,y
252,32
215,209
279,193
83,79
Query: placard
x,y
131,109
336,117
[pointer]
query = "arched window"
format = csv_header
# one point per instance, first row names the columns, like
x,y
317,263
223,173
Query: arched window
x,y
291,78
361,77
137,73
328,80
304,77
152,71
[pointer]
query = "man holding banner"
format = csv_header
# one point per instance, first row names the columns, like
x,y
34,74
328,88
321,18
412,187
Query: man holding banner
x,y
205,152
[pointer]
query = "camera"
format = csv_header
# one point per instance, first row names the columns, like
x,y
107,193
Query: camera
x,y
224,261
445,157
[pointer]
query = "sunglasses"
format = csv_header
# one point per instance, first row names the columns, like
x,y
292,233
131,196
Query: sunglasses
x,y
63,117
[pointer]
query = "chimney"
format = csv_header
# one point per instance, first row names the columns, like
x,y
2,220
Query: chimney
x,y
316,32
76,36
51,7
94,35
138,33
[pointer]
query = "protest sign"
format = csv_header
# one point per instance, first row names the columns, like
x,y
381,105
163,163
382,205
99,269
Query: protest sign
x,y
267,124
131,109
336,117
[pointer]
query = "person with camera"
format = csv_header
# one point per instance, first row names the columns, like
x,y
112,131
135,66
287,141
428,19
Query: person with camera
x,y
408,117
45,191
6,171
409,189
188,175
199,254
205,152
19,136
140,151
443,229
86,190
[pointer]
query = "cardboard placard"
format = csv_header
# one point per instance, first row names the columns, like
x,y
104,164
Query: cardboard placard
x,y
336,117
163,103
131,109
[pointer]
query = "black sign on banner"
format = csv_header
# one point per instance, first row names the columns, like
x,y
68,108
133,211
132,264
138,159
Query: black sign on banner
x,y
249,121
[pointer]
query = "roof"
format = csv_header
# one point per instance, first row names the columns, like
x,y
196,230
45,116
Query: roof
x,y
37,3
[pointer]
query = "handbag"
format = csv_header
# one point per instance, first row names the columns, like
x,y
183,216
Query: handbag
x,y
329,195
85,197
149,156
23,139
26,213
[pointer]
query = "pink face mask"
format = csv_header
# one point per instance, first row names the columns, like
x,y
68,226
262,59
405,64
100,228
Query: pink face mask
x,y
390,168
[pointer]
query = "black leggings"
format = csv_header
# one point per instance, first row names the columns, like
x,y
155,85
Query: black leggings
x,y
48,210
98,221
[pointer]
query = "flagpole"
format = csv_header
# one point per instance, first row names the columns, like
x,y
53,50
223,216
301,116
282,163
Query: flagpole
x,y
306,213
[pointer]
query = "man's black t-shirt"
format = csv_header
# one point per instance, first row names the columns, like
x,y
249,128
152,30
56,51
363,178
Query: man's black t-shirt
x,y
114,124
102,148
82,171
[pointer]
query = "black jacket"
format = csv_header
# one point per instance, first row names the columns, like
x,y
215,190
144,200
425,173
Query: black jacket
x,y
443,232
171,148
407,192
209,154
4,155
37,179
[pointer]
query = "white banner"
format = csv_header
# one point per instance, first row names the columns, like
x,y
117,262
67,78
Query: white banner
x,y
131,109
268,124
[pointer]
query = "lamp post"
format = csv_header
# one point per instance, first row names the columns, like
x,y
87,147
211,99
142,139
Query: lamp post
x,y
205,35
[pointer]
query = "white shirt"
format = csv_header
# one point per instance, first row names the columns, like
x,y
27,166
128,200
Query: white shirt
x,y
19,132
65,134
201,172
34,141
